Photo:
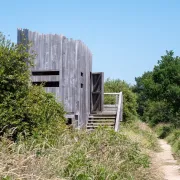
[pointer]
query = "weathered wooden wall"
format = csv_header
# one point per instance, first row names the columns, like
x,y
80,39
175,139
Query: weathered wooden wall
x,y
73,60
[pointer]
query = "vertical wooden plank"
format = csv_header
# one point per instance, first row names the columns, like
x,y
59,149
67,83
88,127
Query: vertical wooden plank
x,y
52,89
60,64
102,91
73,69
36,44
54,51
64,92
68,75
83,89
70,62
43,52
87,85
78,84
55,62
76,79
84,83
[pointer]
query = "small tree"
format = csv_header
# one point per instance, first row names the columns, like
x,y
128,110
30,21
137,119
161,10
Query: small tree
x,y
159,91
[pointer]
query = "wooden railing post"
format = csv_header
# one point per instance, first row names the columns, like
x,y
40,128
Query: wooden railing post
x,y
119,113
117,99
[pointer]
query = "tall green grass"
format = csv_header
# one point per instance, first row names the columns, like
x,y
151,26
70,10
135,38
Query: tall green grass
x,y
174,139
79,155
172,135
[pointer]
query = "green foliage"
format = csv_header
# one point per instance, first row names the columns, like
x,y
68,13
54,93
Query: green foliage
x,y
174,140
156,112
43,115
101,154
129,98
166,76
24,110
143,88
163,130
142,133
159,92
14,72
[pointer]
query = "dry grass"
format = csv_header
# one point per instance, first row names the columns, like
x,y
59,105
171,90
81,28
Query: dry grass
x,y
100,155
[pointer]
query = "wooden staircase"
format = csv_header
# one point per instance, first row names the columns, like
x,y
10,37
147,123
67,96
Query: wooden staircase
x,y
106,118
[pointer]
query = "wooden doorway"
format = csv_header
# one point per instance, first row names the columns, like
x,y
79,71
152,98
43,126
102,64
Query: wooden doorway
x,y
97,92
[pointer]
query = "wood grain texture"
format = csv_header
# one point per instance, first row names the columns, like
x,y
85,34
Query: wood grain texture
x,y
73,60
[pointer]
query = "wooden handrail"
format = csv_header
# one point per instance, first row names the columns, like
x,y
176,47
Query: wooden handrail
x,y
112,93
119,112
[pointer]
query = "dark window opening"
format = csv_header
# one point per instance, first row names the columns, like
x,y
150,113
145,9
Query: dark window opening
x,y
81,85
81,73
47,84
69,121
76,117
45,73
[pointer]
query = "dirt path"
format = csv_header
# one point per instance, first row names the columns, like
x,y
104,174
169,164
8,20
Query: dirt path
x,y
168,165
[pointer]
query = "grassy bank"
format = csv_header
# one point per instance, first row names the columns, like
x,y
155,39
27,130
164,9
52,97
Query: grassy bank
x,y
172,135
101,154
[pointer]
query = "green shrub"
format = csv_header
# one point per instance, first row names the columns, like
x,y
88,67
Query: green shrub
x,y
24,109
163,130
129,98
158,92
14,70
43,115
174,140
156,112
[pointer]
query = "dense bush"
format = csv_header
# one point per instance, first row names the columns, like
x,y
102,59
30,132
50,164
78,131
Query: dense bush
x,y
156,112
159,92
24,109
163,130
129,98
174,139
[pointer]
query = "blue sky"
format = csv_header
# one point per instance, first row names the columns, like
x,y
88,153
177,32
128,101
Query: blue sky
x,y
126,37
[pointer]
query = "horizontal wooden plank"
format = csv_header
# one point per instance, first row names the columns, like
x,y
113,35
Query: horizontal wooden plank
x,y
110,105
101,117
111,93
107,113
99,126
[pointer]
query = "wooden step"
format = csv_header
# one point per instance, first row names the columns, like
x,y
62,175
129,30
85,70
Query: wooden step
x,y
89,127
93,127
101,120
101,117
104,113
104,124
101,123
113,108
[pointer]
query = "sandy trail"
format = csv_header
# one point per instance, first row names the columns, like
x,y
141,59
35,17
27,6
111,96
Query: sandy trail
x,y
167,164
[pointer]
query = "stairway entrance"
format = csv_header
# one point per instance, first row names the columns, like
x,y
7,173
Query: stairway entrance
x,y
110,116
